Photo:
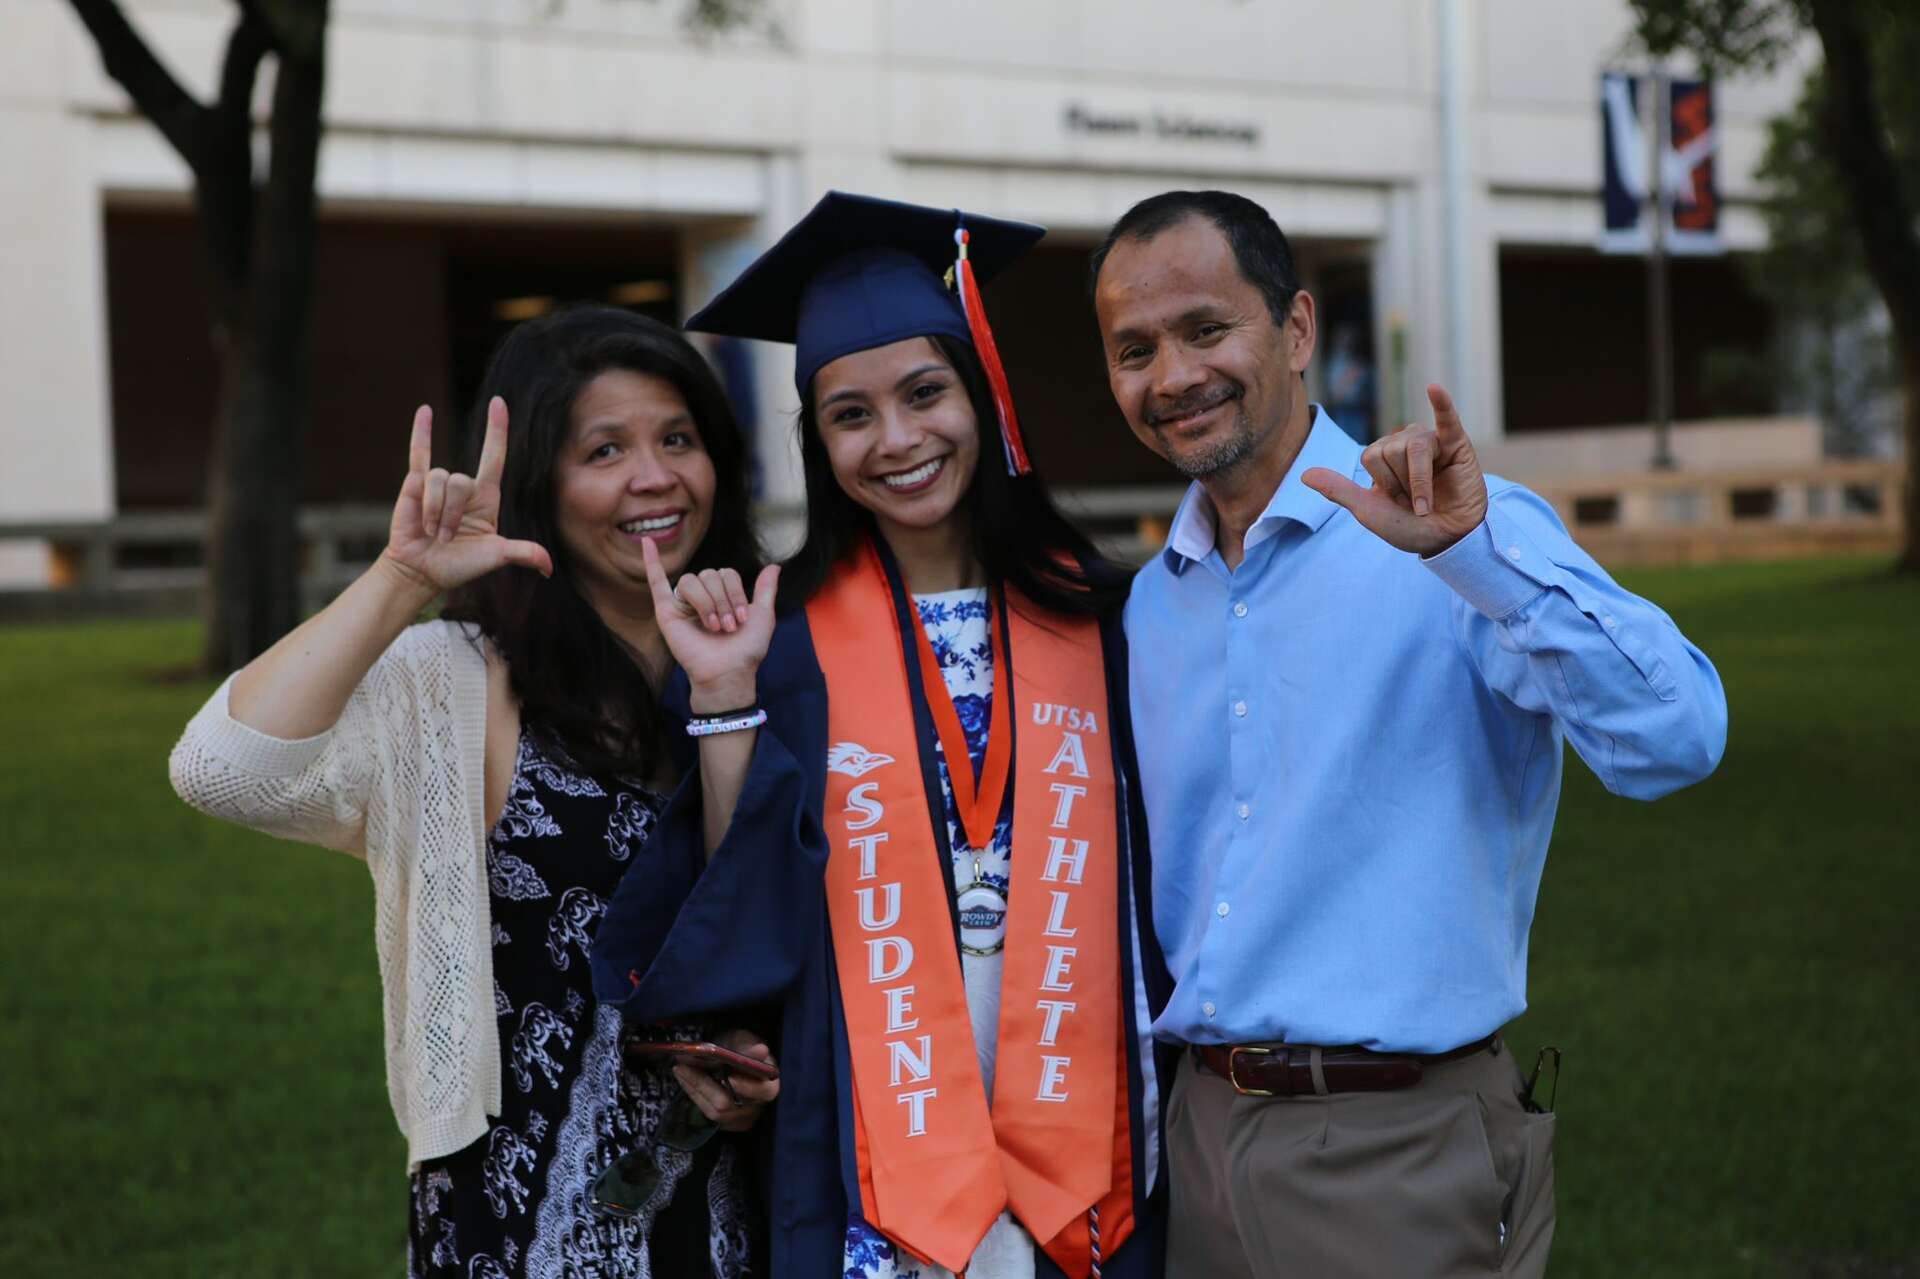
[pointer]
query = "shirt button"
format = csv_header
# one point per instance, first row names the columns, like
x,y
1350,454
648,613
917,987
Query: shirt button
x,y
1513,552
1240,608
1221,910
1244,811
1240,709
1207,1008
1608,622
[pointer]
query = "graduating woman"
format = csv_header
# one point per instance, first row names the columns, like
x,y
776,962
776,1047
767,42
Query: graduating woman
x,y
913,816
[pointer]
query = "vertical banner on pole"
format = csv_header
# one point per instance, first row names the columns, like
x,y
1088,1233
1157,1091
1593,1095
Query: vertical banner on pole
x,y
1623,192
1689,172
1687,169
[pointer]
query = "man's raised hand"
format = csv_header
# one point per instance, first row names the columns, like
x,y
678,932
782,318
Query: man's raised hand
x,y
716,634
1428,490
445,529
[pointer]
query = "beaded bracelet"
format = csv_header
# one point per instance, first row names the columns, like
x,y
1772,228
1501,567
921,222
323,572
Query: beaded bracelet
x,y
708,726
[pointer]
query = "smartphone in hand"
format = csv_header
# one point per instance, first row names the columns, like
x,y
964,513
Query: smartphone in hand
x,y
701,1055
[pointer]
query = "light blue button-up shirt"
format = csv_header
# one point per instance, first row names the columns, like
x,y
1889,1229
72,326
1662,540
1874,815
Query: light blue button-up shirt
x,y
1351,757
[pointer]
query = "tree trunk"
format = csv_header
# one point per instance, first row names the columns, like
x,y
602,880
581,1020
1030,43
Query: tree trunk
x,y
259,244
253,595
1883,211
1910,416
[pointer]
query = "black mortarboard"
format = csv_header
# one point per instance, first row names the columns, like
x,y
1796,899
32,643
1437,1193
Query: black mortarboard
x,y
859,272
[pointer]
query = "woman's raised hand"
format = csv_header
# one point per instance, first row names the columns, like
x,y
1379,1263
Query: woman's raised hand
x,y
445,530
713,630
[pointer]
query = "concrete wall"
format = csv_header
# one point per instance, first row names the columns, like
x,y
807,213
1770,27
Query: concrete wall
x,y
1716,444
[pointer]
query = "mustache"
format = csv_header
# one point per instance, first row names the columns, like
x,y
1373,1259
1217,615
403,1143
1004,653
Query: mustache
x,y
1194,402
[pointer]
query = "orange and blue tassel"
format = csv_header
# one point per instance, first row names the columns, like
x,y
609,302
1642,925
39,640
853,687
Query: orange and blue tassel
x,y
983,345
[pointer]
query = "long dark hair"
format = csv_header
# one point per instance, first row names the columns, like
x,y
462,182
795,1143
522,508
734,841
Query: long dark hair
x,y
577,683
1019,536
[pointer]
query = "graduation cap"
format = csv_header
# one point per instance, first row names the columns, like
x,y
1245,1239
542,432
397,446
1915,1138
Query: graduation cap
x,y
859,272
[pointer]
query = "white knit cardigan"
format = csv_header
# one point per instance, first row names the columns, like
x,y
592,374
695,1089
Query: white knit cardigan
x,y
400,781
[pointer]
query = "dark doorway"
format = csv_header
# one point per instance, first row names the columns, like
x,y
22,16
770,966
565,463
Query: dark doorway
x,y
1043,323
406,313
1349,375
1573,327
498,276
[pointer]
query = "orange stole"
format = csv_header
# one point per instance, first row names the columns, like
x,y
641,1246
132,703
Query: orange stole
x,y
935,1167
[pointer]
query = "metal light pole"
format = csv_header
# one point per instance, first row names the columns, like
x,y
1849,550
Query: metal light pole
x,y
1453,150
1659,308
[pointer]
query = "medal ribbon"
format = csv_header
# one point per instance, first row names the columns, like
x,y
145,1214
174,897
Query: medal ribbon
x,y
978,798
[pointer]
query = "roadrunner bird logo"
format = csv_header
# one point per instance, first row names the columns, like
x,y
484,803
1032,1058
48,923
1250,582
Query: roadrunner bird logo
x,y
854,760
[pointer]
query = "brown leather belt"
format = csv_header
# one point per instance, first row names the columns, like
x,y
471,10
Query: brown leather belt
x,y
1291,1070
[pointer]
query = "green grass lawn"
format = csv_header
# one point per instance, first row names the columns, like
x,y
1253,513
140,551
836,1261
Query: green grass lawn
x,y
190,1063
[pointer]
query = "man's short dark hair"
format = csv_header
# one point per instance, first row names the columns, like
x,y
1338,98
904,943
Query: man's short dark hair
x,y
1260,248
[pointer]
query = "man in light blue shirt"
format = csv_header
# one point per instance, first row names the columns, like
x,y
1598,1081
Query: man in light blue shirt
x,y
1352,672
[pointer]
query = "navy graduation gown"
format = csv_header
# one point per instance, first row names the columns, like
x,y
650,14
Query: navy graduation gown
x,y
689,937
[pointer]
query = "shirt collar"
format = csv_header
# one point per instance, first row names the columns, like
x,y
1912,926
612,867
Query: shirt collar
x,y
1195,525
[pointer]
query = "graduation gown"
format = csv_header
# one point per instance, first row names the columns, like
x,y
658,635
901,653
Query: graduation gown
x,y
685,936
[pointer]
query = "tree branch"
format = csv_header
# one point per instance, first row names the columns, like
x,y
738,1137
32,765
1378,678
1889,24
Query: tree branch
x,y
226,180
181,119
1856,131
295,28
1723,35
289,209
246,47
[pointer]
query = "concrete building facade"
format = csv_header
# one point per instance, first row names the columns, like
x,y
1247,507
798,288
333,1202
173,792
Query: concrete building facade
x,y
474,145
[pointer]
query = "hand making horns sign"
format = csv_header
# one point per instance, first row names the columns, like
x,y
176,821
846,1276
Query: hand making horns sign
x,y
1428,490
712,629
445,529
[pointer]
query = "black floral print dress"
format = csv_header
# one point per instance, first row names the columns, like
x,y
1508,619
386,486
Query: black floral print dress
x,y
515,1202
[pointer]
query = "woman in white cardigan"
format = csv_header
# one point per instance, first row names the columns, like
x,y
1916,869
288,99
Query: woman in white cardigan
x,y
499,769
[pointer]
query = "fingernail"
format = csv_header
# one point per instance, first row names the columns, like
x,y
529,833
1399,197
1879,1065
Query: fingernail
x,y
1420,507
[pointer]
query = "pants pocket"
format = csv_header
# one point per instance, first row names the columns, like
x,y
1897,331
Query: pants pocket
x,y
1527,1220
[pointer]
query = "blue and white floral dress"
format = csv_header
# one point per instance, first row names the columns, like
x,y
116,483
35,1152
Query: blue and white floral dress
x,y
514,1204
957,627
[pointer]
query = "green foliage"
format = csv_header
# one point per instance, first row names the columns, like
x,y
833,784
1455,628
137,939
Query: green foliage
x,y
190,1037
1813,271
1725,35
1833,358
1815,249
721,15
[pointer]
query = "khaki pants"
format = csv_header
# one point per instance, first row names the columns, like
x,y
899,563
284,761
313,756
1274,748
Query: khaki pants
x,y
1449,1177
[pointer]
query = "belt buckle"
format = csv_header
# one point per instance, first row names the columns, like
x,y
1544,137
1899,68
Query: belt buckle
x,y
1233,1069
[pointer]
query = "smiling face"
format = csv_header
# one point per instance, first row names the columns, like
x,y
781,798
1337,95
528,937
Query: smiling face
x,y
900,433
633,467
1204,376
